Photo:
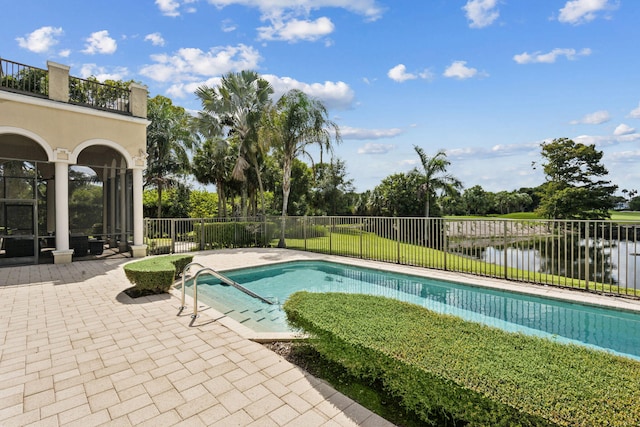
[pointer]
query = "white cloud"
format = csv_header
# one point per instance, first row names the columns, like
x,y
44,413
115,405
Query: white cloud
x,y
631,157
101,73
269,8
635,113
295,30
374,148
363,134
65,53
623,129
191,64
459,70
335,95
40,40
155,39
595,118
550,57
481,13
100,42
399,74
168,7
228,26
607,140
577,12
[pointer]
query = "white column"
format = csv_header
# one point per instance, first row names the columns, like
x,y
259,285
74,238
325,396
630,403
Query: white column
x,y
138,249
62,206
138,221
62,254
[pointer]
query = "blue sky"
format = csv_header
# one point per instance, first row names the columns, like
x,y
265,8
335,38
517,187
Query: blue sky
x,y
486,80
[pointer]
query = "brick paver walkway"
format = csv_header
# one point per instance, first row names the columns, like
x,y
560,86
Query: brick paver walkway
x,y
76,351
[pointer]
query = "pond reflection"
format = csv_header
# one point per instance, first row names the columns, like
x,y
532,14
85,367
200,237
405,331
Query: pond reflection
x,y
609,261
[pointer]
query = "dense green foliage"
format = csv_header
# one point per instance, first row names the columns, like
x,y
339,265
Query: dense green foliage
x,y
575,188
169,138
233,234
155,275
453,372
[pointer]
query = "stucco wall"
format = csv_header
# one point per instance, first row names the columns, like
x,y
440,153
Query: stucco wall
x,y
65,126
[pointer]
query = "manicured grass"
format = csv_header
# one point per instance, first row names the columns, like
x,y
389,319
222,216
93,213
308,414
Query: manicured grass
x,y
626,216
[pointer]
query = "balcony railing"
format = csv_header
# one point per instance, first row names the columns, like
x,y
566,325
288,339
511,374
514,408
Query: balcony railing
x,y
56,84
92,93
16,77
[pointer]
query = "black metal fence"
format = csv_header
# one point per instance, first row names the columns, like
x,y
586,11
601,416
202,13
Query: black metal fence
x,y
92,93
21,78
598,256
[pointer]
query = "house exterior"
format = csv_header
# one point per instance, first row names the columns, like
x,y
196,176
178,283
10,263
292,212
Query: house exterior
x,y
72,155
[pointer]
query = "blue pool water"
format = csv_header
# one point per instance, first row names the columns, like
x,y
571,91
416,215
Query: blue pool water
x,y
613,330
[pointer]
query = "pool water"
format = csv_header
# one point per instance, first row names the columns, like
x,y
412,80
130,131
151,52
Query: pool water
x,y
613,330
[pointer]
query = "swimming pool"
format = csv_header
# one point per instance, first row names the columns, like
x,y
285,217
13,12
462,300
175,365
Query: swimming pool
x,y
614,330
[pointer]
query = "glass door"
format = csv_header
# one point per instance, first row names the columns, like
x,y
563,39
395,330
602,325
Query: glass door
x,y
18,214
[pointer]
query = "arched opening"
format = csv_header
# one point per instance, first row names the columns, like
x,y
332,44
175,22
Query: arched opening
x,y
100,202
26,180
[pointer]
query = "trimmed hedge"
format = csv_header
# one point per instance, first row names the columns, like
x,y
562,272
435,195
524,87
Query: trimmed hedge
x,y
233,234
156,274
452,372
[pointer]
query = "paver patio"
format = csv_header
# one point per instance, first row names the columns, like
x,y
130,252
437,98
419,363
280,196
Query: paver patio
x,y
76,351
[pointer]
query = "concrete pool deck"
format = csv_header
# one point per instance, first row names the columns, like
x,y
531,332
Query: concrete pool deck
x,y
75,350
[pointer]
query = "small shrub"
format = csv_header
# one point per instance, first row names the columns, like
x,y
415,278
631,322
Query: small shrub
x,y
155,275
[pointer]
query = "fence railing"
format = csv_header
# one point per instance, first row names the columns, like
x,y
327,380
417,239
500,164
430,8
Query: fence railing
x,y
598,256
98,95
17,77
33,81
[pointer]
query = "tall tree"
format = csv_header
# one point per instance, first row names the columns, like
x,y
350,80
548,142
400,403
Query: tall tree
x,y
299,121
169,138
434,171
333,193
575,188
239,102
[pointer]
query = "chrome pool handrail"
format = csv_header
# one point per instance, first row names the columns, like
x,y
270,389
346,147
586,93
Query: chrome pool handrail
x,y
184,273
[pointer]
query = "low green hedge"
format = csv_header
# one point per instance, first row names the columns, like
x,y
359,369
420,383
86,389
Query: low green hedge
x,y
156,274
452,372
233,234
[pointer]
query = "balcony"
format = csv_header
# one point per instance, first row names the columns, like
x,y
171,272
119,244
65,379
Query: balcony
x,y
56,84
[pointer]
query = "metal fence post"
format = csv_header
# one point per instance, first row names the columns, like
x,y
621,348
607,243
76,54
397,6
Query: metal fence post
x,y
506,258
398,238
330,235
586,255
173,236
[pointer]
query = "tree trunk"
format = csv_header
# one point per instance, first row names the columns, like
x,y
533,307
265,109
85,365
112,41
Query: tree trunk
x,y
243,200
256,167
222,205
286,189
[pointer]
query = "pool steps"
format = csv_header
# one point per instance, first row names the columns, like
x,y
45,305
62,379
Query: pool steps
x,y
217,275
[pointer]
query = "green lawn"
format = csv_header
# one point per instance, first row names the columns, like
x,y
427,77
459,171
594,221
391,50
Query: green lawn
x,y
626,216
370,246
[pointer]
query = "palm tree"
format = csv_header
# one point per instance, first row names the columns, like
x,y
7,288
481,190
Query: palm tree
x,y
435,176
238,102
297,122
169,137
